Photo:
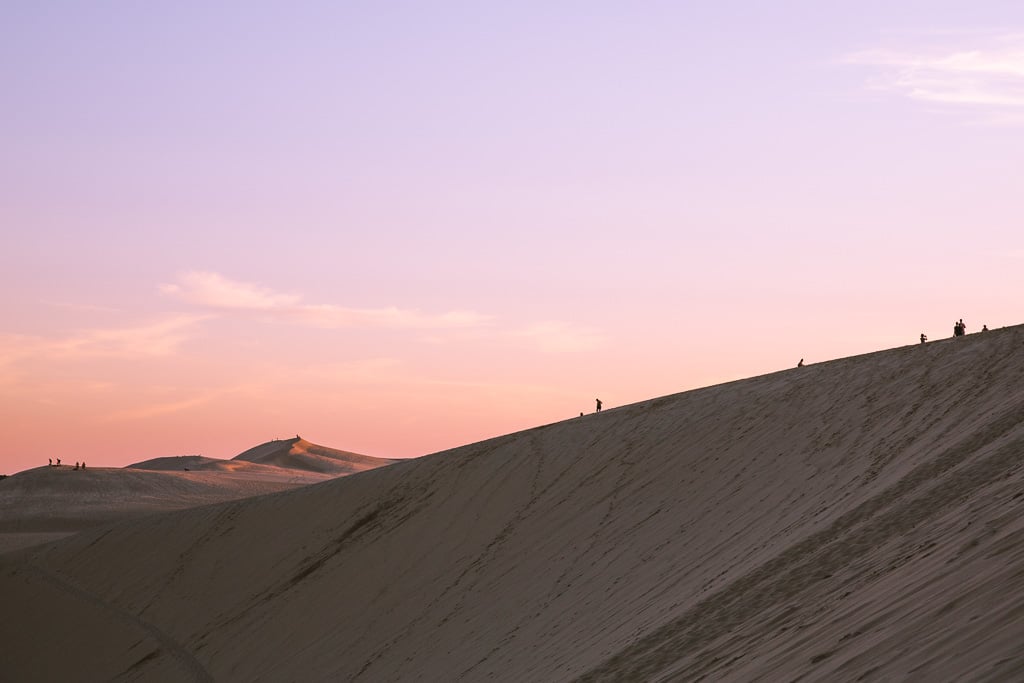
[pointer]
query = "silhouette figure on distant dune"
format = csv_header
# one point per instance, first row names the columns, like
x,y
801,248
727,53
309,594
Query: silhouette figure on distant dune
x,y
51,461
58,462
598,405
924,338
76,466
801,363
83,464
984,328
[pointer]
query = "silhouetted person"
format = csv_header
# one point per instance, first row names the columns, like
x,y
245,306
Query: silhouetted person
x,y
924,338
958,329
801,363
984,328
51,461
58,462
76,466
598,404
963,327
83,464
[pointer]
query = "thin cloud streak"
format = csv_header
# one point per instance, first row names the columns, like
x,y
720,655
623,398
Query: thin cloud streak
x,y
980,70
147,410
223,295
161,337
214,291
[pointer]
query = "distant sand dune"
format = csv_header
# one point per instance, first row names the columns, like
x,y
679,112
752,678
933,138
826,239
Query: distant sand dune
x,y
299,454
859,519
47,502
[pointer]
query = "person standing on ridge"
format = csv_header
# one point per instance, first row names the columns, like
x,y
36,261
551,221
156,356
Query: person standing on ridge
x,y
924,338
598,405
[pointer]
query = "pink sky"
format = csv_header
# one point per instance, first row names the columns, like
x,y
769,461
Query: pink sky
x,y
399,230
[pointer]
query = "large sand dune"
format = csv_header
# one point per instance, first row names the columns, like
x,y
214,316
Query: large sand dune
x,y
859,519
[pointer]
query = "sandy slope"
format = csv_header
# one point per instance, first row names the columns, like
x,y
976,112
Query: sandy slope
x,y
853,520
299,454
44,503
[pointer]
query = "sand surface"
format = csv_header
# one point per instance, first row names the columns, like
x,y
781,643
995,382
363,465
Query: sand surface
x,y
856,520
46,503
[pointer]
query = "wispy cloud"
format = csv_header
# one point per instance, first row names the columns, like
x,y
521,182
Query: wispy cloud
x,y
965,69
159,337
146,409
213,290
219,293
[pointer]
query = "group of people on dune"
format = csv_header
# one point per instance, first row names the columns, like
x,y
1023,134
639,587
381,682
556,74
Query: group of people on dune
x,y
959,330
78,466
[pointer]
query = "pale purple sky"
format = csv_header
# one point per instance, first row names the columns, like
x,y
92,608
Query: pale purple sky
x,y
399,227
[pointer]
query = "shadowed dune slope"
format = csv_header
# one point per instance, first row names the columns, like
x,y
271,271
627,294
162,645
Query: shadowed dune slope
x,y
859,519
65,499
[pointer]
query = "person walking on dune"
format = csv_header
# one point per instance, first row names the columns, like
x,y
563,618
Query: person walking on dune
x,y
598,405
924,338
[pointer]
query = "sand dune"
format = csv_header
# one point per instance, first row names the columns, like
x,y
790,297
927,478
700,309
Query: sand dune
x,y
48,502
852,520
299,454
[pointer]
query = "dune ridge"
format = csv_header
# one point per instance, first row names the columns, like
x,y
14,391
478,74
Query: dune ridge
x,y
299,454
858,519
